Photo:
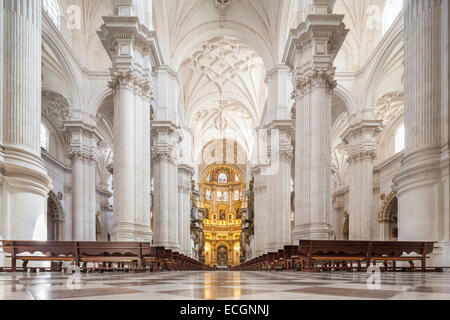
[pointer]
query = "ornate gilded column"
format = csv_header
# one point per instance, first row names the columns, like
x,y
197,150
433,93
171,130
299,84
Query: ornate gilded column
x,y
83,141
310,52
360,136
23,178
134,51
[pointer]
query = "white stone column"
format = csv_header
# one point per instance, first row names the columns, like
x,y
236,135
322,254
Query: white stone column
x,y
311,57
166,185
260,194
185,174
25,184
418,183
132,84
83,141
278,173
280,211
360,136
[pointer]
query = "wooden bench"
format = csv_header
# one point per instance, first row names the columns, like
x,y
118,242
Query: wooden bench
x,y
134,256
386,251
341,255
105,254
54,252
318,255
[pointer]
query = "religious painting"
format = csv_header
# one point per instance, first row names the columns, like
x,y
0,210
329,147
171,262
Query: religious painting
x,y
219,196
223,178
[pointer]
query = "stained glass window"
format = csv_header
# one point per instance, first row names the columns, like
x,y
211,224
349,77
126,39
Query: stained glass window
x,y
208,194
225,196
236,195
219,196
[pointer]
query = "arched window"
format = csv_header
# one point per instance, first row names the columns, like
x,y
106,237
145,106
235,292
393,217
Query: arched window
x,y
391,12
45,137
223,178
400,139
54,11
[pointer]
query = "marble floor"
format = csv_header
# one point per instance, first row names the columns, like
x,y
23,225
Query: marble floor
x,y
223,285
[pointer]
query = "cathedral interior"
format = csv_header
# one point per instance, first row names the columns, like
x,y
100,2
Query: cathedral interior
x,y
223,130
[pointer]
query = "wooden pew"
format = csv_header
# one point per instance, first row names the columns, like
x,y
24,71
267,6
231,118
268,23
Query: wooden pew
x,y
400,251
107,253
329,255
136,255
55,252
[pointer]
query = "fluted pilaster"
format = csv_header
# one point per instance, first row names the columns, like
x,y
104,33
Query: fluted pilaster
x,y
134,50
261,202
421,201
25,183
166,185
310,55
83,141
279,186
360,137
185,174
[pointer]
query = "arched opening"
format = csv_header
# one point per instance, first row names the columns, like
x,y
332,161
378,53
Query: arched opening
x,y
389,216
222,256
346,229
55,217
98,227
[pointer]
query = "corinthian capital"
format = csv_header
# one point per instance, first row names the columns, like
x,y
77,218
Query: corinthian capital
x,y
360,137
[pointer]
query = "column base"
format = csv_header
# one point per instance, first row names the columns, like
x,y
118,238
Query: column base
x,y
440,256
175,247
420,193
131,232
24,186
313,231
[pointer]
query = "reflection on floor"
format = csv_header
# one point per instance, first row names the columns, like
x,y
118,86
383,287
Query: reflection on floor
x,y
223,285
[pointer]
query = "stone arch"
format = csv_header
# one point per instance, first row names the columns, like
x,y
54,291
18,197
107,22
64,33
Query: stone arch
x,y
388,216
346,228
98,226
55,217
389,208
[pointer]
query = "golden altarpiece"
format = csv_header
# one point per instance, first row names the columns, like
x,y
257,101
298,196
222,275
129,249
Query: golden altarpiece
x,y
222,203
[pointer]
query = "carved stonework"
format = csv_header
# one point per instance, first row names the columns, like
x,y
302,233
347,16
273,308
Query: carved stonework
x,y
222,6
316,78
55,106
389,208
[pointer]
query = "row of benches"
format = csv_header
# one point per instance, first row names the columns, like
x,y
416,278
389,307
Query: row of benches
x,y
321,255
102,256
